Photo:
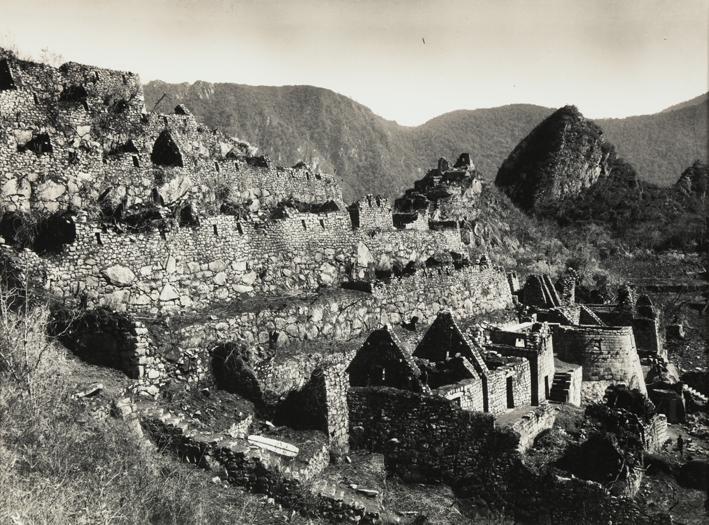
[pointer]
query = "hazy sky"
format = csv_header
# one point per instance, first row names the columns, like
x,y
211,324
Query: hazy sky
x,y
612,58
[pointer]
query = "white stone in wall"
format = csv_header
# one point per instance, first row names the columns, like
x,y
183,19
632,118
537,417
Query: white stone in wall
x,y
175,189
168,293
239,266
328,273
217,266
171,264
50,191
249,278
364,256
119,275
140,299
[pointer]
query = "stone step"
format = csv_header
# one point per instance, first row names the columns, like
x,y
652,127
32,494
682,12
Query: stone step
x,y
696,393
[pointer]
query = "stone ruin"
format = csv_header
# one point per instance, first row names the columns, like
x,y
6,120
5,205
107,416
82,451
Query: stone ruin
x,y
191,264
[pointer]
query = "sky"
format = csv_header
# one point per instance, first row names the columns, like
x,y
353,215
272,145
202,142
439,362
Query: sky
x,y
407,60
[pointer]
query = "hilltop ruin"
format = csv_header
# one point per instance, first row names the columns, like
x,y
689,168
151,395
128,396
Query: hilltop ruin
x,y
192,264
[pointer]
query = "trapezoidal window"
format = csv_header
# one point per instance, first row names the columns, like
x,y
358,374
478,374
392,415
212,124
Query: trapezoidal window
x,y
166,152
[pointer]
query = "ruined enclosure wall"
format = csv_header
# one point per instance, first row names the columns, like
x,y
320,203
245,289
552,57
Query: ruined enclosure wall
x,y
103,111
104,338
224,258
288,480
372,212
529,425
339,316
646,323
515,373
541,364
605,353
432,434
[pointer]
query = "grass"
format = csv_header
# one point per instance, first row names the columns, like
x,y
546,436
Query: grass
x,y
65,460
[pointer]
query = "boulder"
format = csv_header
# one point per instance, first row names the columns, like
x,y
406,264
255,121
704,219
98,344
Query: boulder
x,y
175,189
50,191
119,275
364,256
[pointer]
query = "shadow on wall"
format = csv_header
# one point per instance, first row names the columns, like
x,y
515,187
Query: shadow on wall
x,y
305,409
42,234
232,372
100,337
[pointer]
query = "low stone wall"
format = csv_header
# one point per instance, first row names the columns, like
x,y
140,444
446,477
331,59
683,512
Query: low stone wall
x,y
529,425
290,481
468,394
655,433
428,435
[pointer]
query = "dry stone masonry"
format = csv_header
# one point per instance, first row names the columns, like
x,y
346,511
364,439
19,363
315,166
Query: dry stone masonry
x,y
184,259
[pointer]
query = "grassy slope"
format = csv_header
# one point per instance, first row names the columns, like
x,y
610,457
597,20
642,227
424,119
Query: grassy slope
x,y
375,155
65,460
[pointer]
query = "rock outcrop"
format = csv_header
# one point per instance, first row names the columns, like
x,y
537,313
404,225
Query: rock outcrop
x,y
693,180
560,158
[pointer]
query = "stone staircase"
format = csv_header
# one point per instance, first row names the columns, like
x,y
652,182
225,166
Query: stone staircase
x,y
695,393
559,392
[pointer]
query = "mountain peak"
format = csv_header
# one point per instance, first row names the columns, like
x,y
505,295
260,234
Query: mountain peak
x,y
561,157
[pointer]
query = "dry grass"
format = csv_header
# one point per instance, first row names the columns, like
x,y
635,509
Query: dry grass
x,y
60,464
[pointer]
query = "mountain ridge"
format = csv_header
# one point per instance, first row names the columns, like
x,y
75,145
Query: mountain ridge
x,y
374,155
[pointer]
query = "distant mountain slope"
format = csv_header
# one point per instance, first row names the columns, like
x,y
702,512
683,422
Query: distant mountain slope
x,y
660,146
687,103
374,155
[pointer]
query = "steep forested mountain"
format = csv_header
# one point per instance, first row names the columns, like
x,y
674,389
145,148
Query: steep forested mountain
x,y
375,155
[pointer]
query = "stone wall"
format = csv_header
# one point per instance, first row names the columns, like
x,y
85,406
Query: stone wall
x,y
90,116
428,434
529,425
291,481
468,394
338,316
646,321
224,258
655,433
606,353
535,346
372,212
509,384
